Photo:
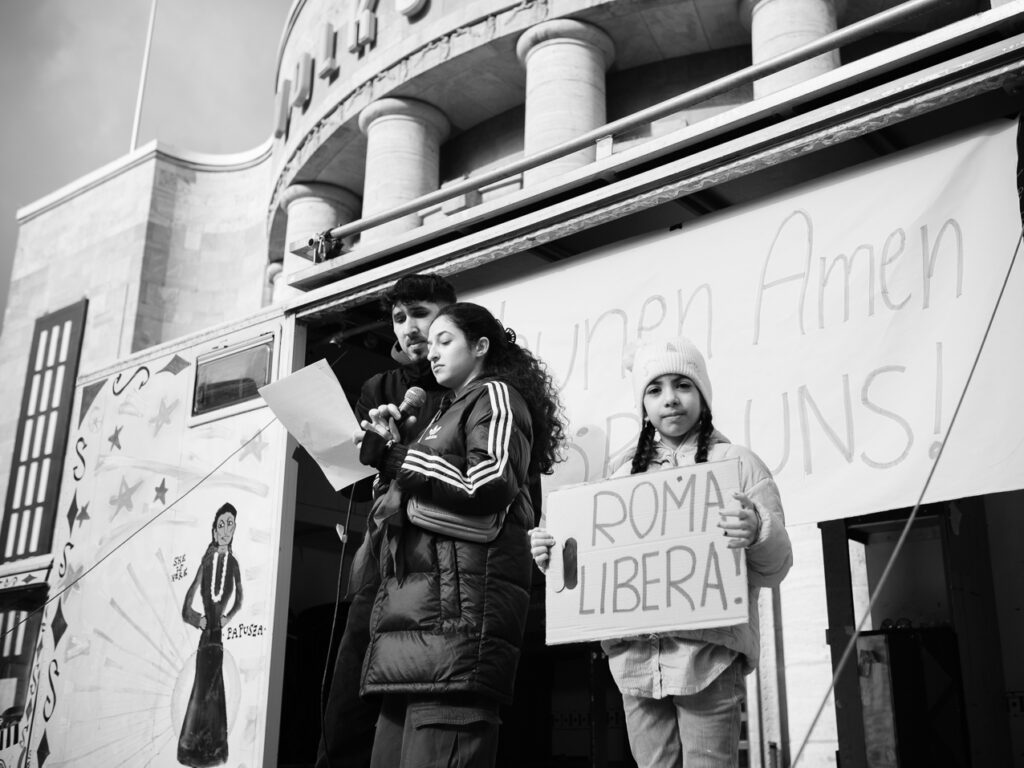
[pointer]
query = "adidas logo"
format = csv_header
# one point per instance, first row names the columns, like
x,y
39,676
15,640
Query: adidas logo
x,y
432,432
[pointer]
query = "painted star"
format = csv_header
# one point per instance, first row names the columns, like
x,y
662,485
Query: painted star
x,y
83,515
77,646
73,577
163,415
115,439
161,492
123,499
253,447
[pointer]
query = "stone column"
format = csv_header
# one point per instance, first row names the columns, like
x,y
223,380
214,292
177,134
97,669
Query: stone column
x,y
311,208
565,64
273,285
403,142
778,26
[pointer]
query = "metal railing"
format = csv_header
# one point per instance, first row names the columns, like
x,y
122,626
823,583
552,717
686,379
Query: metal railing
x,y
848,34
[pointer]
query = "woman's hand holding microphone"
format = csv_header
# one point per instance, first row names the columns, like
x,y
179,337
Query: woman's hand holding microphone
x,y
381,429
380,432
384,421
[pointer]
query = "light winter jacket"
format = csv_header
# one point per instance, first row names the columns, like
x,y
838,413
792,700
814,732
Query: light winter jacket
x,y
768,559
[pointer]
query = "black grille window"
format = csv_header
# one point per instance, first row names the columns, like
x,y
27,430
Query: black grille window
x,y
41,437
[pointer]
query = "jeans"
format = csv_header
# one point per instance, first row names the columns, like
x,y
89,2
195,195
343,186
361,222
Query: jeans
x,y
445,731
697,731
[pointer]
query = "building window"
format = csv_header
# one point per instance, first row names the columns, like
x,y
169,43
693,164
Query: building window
x,y
231,377
41,436
20,616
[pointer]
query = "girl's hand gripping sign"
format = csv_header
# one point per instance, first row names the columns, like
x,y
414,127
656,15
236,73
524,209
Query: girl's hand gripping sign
x,y
642,554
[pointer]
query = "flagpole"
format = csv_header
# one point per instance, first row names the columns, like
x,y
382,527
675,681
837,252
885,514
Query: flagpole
x,y
142,78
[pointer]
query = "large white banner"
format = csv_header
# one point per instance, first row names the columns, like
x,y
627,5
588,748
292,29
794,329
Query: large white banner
x,y
840,320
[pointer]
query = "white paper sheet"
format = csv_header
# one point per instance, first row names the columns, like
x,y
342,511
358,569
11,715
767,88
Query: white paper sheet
x,y
313,408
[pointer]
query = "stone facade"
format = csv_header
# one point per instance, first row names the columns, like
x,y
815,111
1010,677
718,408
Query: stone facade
x,y
205,252
161,243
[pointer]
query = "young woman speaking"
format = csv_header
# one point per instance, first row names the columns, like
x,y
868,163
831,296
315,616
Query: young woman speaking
x,y
448,620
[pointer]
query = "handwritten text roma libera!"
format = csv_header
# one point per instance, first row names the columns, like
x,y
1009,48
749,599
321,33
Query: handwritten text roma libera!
x,y
653,578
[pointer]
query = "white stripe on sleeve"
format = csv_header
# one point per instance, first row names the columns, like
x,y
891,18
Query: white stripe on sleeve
x,y
499,435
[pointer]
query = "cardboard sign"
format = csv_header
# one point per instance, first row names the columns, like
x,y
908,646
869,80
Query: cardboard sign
x,y
643,553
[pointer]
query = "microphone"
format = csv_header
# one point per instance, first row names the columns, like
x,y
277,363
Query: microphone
x,y
414,399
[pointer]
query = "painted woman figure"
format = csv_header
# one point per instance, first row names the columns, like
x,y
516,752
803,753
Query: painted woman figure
x,y
204,732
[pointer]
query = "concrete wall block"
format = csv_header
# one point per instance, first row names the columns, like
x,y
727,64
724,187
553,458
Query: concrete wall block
x,y
461,202
214,240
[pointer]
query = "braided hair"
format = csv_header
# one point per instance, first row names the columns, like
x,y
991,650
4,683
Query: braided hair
x,y
645,443
644,449
704,430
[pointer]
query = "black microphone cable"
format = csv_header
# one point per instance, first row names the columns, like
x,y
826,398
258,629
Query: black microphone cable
x,y
334,624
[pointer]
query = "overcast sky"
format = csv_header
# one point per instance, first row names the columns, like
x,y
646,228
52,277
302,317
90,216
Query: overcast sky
x,y
69,76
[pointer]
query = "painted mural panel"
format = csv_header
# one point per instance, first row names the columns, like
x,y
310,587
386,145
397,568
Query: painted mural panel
x,y
155,643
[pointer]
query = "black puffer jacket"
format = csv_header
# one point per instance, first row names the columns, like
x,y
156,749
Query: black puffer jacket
x,y
451,617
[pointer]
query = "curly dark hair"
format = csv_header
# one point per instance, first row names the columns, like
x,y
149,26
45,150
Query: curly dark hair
x,y
519,368
413,288
645,443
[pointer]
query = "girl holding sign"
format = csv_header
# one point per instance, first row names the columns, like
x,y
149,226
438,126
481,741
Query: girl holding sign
x,y
682,692
449,615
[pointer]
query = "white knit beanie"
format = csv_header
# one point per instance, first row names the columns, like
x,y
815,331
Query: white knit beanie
x,y
652,359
